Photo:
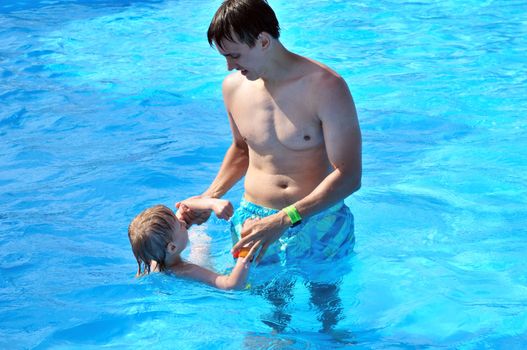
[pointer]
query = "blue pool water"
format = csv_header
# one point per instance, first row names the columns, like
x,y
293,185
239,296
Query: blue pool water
x,y
107,107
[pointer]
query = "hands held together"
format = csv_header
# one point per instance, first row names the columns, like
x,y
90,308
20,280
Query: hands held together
x,y
257,234
197,210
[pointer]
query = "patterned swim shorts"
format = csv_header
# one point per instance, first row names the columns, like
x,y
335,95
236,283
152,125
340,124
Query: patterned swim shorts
x,y
323,237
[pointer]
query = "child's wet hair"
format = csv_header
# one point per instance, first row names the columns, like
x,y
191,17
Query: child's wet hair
x,y
149,234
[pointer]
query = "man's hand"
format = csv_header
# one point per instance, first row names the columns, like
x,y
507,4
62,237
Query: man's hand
x,y
261,233
223,209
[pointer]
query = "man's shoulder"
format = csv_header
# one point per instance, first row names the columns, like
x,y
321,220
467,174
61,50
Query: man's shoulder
x,y
328,77
323,77
327,87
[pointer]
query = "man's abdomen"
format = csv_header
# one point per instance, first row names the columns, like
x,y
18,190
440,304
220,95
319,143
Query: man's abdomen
x,y
280,190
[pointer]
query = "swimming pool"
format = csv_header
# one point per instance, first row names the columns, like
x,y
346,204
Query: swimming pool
x,y
110,106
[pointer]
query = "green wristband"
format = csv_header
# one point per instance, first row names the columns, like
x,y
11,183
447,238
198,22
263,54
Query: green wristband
x,y
293,214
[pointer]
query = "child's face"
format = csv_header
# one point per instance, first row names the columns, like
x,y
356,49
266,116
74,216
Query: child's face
x,y
180,236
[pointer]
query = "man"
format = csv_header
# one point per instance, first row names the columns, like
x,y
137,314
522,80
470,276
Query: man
x,y
296,137
297,141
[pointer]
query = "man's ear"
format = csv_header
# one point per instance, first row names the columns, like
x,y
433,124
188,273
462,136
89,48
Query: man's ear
x,y
264,40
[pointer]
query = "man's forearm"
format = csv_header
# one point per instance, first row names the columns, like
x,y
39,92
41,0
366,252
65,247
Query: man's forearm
x,y
335,187
233,168
198,203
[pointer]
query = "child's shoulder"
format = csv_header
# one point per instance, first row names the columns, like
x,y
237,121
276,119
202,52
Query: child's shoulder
x,y
182,268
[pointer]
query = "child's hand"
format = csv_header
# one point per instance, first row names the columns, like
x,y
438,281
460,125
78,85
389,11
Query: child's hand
x,y
183,213
223,209
245,252
192,216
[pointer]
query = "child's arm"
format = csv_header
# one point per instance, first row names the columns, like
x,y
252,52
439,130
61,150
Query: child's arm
x,y
221,207
236,279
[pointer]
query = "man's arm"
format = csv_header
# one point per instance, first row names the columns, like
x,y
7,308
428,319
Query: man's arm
x,y
233,168
342,138
343,142
235,162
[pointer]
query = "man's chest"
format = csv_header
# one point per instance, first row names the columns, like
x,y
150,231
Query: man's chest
x,y
269,122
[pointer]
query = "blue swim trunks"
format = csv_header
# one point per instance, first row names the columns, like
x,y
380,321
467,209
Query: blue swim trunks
x,y
324,237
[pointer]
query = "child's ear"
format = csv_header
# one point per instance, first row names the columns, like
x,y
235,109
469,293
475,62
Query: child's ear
x,y
171,247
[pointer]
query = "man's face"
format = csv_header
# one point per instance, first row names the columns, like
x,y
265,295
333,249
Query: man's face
x,y
239,56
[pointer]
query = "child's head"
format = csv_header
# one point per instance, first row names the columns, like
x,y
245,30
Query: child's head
x,y
156,234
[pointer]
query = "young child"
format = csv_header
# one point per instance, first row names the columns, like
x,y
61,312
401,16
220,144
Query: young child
x,y
158,236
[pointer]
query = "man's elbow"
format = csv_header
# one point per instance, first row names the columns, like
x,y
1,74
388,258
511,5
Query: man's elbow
x,y
240,147
352,179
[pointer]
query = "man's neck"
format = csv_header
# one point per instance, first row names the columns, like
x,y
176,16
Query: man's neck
x,y
279,65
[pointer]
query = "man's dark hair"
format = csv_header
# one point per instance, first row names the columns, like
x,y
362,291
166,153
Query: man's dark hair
x,y
244,18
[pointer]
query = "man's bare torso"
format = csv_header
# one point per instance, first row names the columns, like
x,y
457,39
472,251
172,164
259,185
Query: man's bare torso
x,y
279,124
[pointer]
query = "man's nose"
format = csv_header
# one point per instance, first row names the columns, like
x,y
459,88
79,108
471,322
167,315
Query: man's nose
x,y
230,64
